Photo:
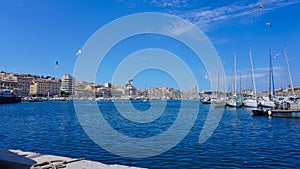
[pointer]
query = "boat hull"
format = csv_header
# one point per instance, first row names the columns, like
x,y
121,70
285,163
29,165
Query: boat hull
x,y
218,103
276,113
267,104
250,103
6,100
206,102
234,103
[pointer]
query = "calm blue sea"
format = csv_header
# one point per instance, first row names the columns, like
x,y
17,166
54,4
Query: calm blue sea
x,y
240,139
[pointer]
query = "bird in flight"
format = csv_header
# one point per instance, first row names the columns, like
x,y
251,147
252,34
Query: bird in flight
x,y
56,64
78,52
260,7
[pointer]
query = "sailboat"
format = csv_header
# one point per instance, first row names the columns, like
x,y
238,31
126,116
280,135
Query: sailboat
x,y
251,101
270,102
218,101
289,71
233,102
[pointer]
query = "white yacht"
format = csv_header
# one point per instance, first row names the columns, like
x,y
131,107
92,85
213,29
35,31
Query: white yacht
x,y
252,101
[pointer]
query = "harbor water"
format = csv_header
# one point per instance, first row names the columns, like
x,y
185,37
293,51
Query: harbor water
x,y
240,140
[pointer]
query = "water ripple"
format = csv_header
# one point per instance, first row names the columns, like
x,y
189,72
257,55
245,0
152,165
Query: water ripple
x,y
240,140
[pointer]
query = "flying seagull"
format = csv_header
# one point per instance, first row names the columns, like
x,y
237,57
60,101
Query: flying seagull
x,y
276,56
260,7
56,64
78,52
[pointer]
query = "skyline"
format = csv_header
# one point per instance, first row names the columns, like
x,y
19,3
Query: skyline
x,y
37,34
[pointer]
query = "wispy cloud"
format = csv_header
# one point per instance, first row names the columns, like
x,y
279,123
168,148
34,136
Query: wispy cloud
x,y
257,75
170,3
262,72
265,69
207,17
248,76
177,28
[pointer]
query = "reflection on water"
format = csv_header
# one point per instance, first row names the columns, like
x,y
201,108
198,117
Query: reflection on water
x,y
240,140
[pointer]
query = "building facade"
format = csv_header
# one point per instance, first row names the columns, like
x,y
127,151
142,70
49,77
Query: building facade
x,y
67,84
130,90
164,93
8,81
45,87
23,86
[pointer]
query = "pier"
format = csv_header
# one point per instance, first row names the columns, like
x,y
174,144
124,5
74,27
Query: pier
x,y
276,113
17,159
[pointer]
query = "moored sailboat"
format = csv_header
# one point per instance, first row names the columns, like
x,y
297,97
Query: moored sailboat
x,y
218,101
270,101
251,101
232,101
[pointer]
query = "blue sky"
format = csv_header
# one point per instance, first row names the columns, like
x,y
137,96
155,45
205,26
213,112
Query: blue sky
x,y
34,34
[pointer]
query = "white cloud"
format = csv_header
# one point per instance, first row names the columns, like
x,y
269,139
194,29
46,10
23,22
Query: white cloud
x,y
257,75
262,72
206,17
170,3
177,28
275,68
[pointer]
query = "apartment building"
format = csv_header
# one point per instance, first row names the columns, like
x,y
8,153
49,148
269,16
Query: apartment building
x,y
67,84
45,87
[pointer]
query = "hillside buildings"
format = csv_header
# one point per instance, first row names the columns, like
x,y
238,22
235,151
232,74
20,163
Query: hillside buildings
x,y
32,85
163,93
26,85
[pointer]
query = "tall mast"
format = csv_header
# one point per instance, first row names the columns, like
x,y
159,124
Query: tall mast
x,y
234,79
252,74
289,71
270,94
271,77
218,76
240,84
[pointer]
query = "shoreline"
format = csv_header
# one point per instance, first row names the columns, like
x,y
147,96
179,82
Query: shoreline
x,y
17,159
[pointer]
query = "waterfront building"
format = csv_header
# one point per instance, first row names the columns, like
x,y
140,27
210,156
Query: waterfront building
x,y
86,90
108,85
54,87
247,92
8,81
189,95
45,87
163,93
67,84
6,75
205,93
141,93
23,84
8,84
288,91
130,90
194,89
103,92
38,88
83,90
117,92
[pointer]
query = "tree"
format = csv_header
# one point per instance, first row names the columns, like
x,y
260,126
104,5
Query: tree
x,y
64,94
